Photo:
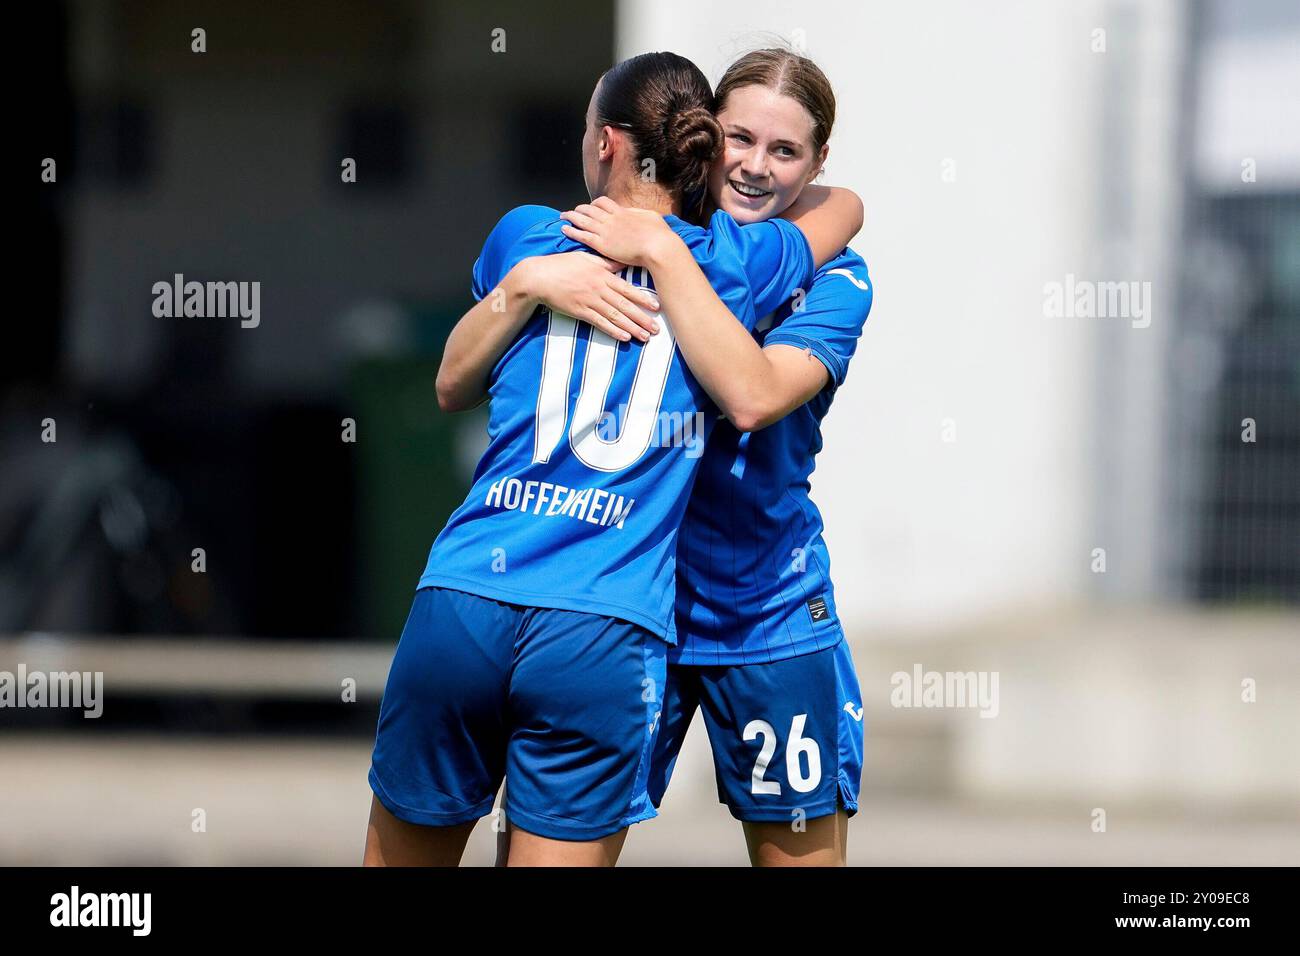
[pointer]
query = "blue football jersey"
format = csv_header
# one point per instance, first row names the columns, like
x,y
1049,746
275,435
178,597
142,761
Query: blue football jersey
x,y
753,574
593,444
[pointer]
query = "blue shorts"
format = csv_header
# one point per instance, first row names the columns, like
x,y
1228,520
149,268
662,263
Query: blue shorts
x,y
564,704
786,735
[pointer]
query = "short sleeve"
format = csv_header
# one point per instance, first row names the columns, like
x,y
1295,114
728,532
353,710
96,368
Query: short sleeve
x,y
830,319
490,266
775,254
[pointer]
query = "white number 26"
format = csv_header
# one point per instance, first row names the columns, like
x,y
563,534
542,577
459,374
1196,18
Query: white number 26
x,y
795,745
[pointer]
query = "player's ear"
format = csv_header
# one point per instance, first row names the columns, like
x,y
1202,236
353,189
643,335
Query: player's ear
x,y
820,164
606,143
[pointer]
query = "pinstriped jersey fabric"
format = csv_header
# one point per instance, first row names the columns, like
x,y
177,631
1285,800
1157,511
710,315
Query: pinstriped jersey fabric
x,y
753,573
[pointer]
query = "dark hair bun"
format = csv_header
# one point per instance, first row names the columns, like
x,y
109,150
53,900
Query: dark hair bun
x,y
693,135
666,104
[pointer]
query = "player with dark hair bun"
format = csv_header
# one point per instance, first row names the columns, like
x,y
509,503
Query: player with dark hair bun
x,y
536,645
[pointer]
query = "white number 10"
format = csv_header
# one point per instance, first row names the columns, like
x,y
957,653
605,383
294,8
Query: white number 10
x,y
642,412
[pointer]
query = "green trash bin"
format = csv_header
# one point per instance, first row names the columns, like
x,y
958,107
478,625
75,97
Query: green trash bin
x,y
414,466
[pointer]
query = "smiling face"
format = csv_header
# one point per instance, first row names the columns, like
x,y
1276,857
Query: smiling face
x,y
768,156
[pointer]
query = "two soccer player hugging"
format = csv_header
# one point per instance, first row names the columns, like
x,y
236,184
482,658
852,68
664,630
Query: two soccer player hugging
x,y
601,582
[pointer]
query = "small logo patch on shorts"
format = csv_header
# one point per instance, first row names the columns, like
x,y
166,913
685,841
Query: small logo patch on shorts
x,y
817,608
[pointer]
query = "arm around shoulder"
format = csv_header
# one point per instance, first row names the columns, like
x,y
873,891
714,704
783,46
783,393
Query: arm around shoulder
x,y
829,217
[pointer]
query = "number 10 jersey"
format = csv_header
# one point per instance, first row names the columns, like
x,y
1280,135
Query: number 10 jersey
x,y
594,444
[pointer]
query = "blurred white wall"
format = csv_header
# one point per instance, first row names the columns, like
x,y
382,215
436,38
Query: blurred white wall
x,y
1007,100
1251,77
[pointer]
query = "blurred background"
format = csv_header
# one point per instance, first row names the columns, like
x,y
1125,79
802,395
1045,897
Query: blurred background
x,y
1101,509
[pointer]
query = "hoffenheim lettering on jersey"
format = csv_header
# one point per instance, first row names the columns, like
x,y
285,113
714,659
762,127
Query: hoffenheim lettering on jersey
x,y
593,444
593,505
753,581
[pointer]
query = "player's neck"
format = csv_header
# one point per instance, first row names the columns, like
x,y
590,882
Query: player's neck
x,y
643,195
